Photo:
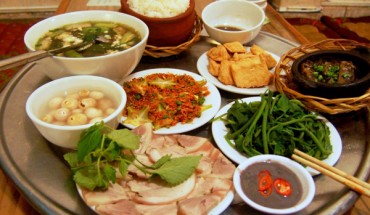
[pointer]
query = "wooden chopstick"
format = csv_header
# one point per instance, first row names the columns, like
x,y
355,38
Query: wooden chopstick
x,y
352,182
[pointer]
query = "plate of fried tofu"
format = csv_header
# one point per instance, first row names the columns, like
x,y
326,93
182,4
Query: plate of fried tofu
x,y
239,69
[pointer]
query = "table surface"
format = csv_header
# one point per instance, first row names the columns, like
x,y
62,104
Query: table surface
x,y
12,202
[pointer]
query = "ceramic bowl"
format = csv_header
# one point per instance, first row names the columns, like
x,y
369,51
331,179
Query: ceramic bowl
x,y
335,90
169,31
245,16
113,66
306,180
67,136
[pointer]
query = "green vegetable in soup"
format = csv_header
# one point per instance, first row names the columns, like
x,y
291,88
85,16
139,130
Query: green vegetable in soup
x,y
109,38
276,125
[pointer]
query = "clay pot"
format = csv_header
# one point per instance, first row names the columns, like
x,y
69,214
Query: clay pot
x,y
170,31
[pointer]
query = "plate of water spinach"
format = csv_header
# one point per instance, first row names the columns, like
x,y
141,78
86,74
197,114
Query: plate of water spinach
x,y
274,124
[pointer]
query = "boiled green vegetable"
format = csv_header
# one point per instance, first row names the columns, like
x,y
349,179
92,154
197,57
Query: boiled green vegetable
x,y
276,125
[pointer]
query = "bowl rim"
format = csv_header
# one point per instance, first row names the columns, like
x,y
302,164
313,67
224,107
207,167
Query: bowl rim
x,y
92,78
255,27
287,163
300,78
49,19
125,7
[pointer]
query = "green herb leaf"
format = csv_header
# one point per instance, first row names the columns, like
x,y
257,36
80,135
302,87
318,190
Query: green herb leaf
x,y
177,170
71,159
110,173
84,181
90,140
123,168
125,138
160,162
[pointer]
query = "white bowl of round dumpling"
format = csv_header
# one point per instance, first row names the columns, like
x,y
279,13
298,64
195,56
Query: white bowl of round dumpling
x,y
62,109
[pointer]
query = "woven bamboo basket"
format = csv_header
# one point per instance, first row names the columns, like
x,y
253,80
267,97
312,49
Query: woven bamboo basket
x,y
283,79
166,51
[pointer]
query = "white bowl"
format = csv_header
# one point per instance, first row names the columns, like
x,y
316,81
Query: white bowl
x,y
67,136
307,182
241,14
113,66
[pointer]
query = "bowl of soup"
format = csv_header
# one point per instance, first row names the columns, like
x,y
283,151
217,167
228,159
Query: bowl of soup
x,y
274,184
229,20
170,22
116,43
64,108
332,73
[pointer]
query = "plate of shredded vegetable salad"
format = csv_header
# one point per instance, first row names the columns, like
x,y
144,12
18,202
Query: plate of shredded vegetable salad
x,y
173,100
237,142
202,66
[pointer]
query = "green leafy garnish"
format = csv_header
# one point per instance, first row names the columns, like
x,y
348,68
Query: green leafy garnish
x,y
100,155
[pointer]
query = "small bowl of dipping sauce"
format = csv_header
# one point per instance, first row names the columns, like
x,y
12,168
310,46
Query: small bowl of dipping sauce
x,y
229,21
274,184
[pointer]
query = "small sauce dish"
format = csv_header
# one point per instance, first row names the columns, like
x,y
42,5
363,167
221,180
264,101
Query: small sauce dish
x,y
242,19
274,184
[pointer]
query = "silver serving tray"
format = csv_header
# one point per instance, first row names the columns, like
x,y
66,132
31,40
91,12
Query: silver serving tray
x,y
39,172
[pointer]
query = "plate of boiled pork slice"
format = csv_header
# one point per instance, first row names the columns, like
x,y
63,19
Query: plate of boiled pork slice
x,y
209,190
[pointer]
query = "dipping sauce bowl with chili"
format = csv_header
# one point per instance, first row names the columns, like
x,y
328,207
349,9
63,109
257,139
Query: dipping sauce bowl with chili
x,y
274,184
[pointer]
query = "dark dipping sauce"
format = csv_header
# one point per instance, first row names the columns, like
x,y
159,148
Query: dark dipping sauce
x,y
228,28
249,182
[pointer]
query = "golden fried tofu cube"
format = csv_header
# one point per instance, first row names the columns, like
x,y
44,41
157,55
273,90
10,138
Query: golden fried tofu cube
x,y
213,67
218,53
247,74
235,47
241,56
224,74
270,60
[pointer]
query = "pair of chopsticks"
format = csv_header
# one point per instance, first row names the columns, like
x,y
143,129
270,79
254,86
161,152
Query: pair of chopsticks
x,y
352,182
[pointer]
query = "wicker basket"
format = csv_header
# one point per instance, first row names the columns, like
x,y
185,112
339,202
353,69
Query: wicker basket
x,y
284,79
158,52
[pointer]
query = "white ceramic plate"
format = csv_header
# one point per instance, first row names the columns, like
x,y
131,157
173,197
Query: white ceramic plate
x,y
219,130
213,99
221,207
202,66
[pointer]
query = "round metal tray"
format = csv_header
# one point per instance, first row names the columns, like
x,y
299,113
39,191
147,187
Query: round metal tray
x,y
38,170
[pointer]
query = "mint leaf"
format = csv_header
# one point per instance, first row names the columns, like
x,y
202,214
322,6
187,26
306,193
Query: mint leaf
x,y
110,173
90,140
177,170
160,162
84,181
71,159
125,138
123,168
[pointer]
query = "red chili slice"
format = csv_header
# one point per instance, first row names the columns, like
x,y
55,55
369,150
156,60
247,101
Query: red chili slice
x,y
263,173
264,183
282,187
266,192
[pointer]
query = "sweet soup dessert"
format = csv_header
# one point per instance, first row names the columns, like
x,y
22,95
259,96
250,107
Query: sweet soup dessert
x,y
108,38
271,184
159,9
78,108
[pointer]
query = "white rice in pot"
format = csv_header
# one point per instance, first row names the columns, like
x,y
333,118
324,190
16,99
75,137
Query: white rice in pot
x,y
159,8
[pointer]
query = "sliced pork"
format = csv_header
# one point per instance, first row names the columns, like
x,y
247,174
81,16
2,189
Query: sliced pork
x,y
137,194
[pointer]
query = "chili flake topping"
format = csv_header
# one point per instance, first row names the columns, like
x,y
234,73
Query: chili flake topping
x,y
164,99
